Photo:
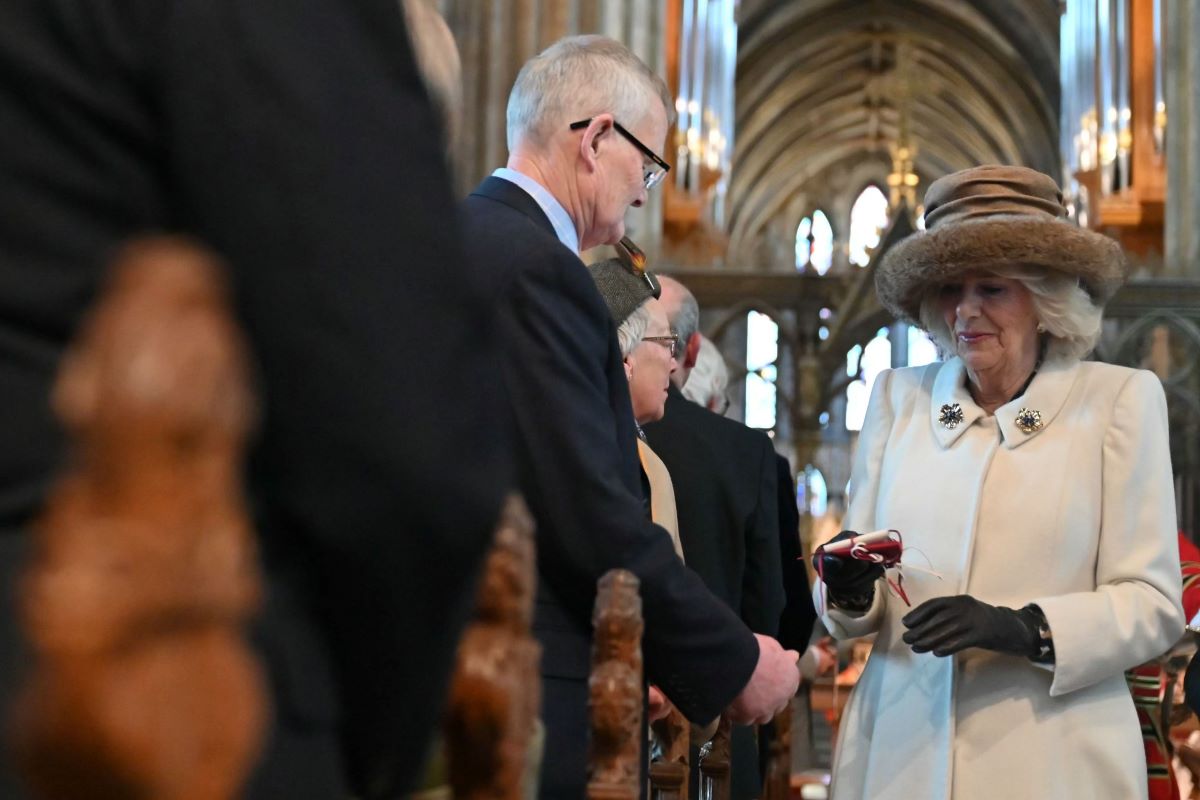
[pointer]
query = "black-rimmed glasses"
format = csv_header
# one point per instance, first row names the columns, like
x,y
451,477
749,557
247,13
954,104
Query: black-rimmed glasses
x,y
652,173
671,342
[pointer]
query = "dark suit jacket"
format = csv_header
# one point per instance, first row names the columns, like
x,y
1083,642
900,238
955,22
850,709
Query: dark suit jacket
x,y
799,614
578,468
726,500
296,139
726,497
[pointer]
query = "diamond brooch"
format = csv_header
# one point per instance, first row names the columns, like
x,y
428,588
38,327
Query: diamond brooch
x,y
951,415
1029,420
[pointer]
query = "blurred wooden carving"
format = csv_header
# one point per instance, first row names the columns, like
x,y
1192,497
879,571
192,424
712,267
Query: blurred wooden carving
x,y
777,781
616,690
714,765
494,695
144,571
669,773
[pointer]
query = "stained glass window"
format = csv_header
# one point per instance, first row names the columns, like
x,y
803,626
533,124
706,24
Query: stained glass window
x,y
762,351
868,218
822,243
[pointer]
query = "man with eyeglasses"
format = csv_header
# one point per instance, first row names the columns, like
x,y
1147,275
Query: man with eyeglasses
x,y
726,490
585,119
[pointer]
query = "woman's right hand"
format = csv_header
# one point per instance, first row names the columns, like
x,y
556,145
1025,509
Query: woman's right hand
x,y
849,581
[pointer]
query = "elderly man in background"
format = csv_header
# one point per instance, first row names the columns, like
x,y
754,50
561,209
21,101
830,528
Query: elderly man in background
x,y
585,119
726,493
709,381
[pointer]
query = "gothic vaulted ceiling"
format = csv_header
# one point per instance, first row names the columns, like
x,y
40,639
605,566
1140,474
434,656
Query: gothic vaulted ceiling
x,y
826,86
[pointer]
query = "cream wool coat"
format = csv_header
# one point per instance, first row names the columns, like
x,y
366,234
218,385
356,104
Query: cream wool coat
x,y
1078,517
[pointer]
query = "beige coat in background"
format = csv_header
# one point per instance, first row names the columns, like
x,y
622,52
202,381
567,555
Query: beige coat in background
x,y
1078,517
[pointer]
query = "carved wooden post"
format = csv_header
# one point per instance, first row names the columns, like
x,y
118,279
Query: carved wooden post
x,y
144,571
714,766
669,774
777,784
616,690
494,696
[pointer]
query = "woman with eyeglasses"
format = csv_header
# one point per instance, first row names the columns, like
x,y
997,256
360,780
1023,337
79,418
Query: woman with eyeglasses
x,y
648,349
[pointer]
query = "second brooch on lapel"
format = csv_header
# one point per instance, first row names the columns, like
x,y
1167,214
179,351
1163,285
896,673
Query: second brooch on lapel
x,y
1029,420
950,415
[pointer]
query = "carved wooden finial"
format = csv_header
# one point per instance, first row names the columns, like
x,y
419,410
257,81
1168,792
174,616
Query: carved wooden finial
x,y
777,785
615,690
494,695
714,765
144,571
669,773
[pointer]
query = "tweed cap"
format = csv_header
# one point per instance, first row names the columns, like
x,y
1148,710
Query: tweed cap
x,y
624,283
994,216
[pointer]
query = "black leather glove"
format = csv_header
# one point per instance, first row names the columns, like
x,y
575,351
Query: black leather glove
x,y
946,625
851,582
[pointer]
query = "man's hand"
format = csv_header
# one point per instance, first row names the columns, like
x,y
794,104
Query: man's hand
x,y
946,625
774,682
658,706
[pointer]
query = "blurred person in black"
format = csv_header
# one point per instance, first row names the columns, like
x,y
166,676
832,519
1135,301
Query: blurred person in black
x,y
297,141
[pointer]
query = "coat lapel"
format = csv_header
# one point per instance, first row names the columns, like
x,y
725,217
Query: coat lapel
x,y
1046,395
949,390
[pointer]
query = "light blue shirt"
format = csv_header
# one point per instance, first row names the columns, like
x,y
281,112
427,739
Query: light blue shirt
x,y
564,228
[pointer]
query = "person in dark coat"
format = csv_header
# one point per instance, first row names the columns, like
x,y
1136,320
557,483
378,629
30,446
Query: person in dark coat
x,y
728,507
297,141
799,615
585,119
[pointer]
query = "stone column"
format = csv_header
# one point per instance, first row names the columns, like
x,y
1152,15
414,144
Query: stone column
x,y
495,37
1182,250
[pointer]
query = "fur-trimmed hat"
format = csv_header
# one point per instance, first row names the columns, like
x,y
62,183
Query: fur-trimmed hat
x,y
995,216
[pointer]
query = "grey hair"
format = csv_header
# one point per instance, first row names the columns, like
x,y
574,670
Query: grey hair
x,y
631,331
709,378
687,317
580,77
1061,304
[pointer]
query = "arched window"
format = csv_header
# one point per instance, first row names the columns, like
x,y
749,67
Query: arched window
x,y
921,349
803,245
762,351
822,243
811,491
868,218
875,358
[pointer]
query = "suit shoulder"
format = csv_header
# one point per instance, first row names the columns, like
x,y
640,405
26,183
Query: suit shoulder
x,y
510,243
716,425
489,219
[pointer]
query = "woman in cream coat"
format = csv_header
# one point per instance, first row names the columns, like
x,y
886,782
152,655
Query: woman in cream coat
x,y
1037,486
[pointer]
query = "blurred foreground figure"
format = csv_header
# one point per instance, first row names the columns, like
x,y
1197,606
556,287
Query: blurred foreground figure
x,y
143,575
296,140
